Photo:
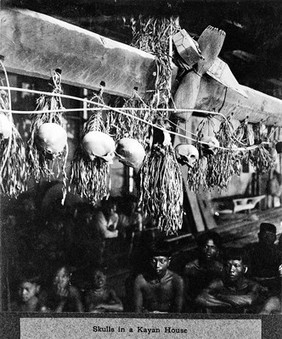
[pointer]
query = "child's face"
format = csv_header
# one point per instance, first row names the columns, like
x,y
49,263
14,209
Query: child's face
x,y
62,278
27,291
99,279
235,269
160,264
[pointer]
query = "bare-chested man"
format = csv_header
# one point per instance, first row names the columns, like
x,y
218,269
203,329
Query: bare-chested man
x,y
198,274
158,289
234,293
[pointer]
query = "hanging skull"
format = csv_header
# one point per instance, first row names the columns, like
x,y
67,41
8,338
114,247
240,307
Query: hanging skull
x,y
186,154
99,144
130,152
5,127
51,139
209,145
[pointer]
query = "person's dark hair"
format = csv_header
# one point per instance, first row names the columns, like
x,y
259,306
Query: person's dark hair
x,y
95,270
236,253
160,248
203,238
267,227
83,208
30,276
68,269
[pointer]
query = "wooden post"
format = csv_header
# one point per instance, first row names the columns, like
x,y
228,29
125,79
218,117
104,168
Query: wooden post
x,y
1,260
196,212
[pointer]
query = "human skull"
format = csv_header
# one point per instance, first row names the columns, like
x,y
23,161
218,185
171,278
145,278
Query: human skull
x,y
130,152
186,154
209,144
5,126
99,144
51,139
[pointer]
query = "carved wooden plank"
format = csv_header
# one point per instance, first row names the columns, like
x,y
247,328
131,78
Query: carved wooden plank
x,y
34,43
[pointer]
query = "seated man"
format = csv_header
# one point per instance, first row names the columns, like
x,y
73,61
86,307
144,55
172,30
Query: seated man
x,y
265,259
101,299
233,293
273,305
199,273
158,289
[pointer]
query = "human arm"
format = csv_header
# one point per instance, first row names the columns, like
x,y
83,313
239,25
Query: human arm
x,y
244,300
61,298
179,292
110,234
113,304
272,305
138,295
208,297
74,292
113,221
64,295
103,226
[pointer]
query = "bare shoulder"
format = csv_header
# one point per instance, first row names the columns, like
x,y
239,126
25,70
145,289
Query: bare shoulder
x,y
215,284
251,284
74,291
140,280
191,267
176,277
192,264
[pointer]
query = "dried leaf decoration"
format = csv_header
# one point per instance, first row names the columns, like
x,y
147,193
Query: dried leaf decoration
x,y
161,191
224,158
47,145
128,125
161,187
90,177
13,166
262,157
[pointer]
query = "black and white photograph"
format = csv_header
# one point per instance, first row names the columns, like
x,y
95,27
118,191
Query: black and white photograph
x,y
140,169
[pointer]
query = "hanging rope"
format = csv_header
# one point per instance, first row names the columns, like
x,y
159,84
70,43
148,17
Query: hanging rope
x,y
121,110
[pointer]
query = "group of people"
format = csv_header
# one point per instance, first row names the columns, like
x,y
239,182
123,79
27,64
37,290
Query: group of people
x,y
62,296
78,234
219,280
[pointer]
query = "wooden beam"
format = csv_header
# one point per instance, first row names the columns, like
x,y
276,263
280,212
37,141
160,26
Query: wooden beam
x,y
34,43
256,105
213,95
